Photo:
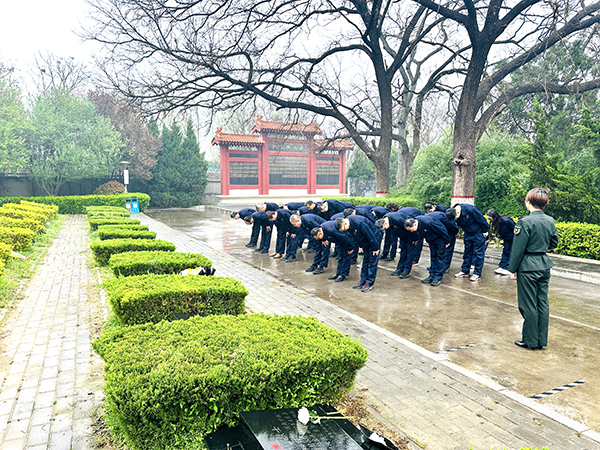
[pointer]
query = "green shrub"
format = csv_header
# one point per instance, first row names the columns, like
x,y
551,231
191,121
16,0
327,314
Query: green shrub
x,y
378,201
141,263
19,238
95,222
5,251
126,234
108,214
129,227
7,211
75,204
104,249
95,209
182,379
45,214
11,222
42,206
578,239
152,298
1,267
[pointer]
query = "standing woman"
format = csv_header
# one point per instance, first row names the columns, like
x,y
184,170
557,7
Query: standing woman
x,y
504,227
535,234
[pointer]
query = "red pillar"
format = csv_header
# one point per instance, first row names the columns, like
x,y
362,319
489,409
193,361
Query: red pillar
x,y
224,170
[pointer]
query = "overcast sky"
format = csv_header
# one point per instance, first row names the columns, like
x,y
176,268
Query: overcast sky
x,y
32,26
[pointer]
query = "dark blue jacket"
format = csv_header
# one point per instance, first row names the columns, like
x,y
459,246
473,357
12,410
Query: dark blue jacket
x,y
410,211
379,211
283,218
432,229
365,211
365,233
261,219
338,237
245,212
333,207
304,210
397,219
506,228
294,206
471,220
336,216
310,221
450,225
272,206
440,207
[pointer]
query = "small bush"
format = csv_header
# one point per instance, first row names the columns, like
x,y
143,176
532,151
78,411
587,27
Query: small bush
x,y
90,210
5,251
103,250
126,234
578,239
95,222
2,267
6,211
141,263
18,238
130,227
76,204
152,298
11,222
46,214
186,378
110,188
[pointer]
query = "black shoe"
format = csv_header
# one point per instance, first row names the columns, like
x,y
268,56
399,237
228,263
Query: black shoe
x,y
291,260
427,280
436,282
249,245
404,274
334,254
353,262
333,277
389,258
395,273
284,258
310,250
524,345
311,268
257,249
367,288
340,278
318,270
359,285
264,250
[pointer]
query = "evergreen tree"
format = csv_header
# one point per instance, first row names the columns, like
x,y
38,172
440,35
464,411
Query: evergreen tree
x,y
180,175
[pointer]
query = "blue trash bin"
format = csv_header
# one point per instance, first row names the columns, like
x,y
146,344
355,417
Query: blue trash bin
x,y
132,204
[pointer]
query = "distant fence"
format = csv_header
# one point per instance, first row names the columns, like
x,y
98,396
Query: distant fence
x,y
361,187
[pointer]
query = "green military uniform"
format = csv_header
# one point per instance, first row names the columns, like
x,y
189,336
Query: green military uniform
x,y
535,234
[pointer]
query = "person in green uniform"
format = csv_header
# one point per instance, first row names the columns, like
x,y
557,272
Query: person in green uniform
x,y
534,235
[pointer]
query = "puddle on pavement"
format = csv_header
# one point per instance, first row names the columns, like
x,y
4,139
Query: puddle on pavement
x,y
456,314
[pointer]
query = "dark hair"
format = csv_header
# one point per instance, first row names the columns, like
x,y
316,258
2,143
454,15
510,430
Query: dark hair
x,y
309,203
409,223
495,217
248,219
233,214
538,197
270,214
315,231
348,212
429,206
451,213
338,223
379,223
393,206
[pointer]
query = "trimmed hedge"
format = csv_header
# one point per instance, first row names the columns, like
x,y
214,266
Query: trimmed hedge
x,y
46,214
1,268
45,207
11,222
578,239
129,227
103,250
7,211
172,382
75,204
151,298
95,222
158,263
108,214
126,234
19,238
379,201
5,251
91,210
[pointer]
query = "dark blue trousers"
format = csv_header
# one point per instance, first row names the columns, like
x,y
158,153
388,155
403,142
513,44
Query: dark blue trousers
x,y
407,255
255,233
449,253
474,253
437,252
390,244
283,239
265,238
368,272
506,251
321,257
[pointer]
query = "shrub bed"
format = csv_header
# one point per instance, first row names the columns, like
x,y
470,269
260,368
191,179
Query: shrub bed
x,y
130,227
22,214
46,214
95,222
75,204
151,298
18,238
125,234
11,222
141,263
379,201
578,239
96,209
103,250
5,251
170,382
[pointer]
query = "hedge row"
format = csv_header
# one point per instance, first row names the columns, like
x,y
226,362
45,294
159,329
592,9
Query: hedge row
x,y
95,222
158,263
11,222
124,233
104,249
152,298
47,213
5,251
18,238
176,381
76,204
379,201
578,239
131,227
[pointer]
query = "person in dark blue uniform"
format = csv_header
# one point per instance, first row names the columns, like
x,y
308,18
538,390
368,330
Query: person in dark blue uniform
x,y
435,233
504,227
452,229
260,218
302,225
432,206
294,206
535,235
330,207
369,238
364,211
242,214
476,230
281,219
325,235
390,242
268,206
394,223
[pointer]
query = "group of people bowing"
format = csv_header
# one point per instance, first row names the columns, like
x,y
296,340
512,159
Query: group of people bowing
x,y
351,228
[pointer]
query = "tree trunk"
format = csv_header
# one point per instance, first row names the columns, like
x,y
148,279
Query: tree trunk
x,y
464,167
381,161
405,160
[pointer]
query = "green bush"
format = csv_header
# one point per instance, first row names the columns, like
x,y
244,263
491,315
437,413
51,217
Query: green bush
x,y
103,250
95,222
108,214
96,209
141,263
378,201
1,267
7,211
183,379
126,234
5,251
53,209
11,222
19,238
110,188
151,298
46,214
128,227
578,239
75,204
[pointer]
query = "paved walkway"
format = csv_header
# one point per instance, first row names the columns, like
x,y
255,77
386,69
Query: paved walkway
x,y
50,377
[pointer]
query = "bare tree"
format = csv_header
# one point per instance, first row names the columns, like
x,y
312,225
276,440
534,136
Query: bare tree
x,y
339,61
503,37
62,73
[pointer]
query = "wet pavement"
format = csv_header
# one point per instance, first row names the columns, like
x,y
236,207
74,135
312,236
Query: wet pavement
x,y
473,324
